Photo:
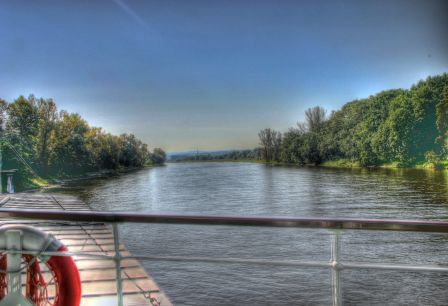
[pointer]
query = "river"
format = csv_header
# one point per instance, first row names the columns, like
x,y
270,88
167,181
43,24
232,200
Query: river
x,y
254,189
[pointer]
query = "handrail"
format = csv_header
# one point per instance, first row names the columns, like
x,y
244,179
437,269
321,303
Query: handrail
x,y
336,224
134,217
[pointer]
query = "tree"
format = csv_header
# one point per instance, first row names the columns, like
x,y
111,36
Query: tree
x,y
3,109
158,156
47,114
291,147
277,145
442,121
392,126
109,151
20,136
133,152
68,145
36,138
265,137
315,118
22,122
270,141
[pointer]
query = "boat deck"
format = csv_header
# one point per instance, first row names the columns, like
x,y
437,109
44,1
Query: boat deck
x,y
97,275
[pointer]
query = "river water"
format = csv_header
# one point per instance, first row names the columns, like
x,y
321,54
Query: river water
x,y
255,189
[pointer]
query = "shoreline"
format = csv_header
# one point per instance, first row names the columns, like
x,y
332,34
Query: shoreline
x,y
47,184
341,164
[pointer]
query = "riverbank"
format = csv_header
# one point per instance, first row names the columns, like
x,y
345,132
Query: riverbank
x,y
340,163
39,183
345,163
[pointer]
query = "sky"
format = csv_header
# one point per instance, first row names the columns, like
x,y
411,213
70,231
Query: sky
x,y
208,75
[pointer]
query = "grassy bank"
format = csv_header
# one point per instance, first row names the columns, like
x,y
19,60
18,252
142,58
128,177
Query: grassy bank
x,y
442,165
345,163
31,182
341,163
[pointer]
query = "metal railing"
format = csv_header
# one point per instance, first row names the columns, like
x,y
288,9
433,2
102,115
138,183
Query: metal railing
x,y
335,224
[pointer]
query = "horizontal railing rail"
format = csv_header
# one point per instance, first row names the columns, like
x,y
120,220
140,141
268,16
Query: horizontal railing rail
x,y
328,223
335,224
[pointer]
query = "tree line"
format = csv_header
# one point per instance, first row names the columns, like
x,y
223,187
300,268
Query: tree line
x,y
405,127
218,156
38,139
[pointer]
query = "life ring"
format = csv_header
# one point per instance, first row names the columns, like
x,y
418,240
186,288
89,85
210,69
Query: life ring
x,y
66,290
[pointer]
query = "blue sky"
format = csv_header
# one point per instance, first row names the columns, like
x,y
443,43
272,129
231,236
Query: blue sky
x,y
209,74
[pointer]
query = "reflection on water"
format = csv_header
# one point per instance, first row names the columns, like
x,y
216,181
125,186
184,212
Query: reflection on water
x,y
254,189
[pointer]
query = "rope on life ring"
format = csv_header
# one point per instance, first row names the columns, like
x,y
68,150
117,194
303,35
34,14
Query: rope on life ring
x,y
63,270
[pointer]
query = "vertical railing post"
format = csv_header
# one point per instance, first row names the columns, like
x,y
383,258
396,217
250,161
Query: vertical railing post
x,y
335,269
117,260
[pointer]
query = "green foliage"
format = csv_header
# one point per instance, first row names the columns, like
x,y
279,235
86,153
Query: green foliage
x,y
433,160
39,140
291,149
393,139
394,126
341,163
236,155
442,121
157,157
271,142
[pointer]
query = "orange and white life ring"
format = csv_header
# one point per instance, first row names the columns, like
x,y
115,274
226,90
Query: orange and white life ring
x,y
58,271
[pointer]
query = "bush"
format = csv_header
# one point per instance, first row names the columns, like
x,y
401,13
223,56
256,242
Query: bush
x,y
433,160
